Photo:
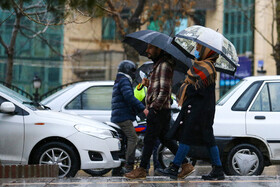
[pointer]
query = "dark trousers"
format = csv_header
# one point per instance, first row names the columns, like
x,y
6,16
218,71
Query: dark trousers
x,y
157,127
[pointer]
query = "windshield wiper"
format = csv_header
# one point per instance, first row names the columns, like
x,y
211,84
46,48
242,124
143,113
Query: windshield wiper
x,y
38,105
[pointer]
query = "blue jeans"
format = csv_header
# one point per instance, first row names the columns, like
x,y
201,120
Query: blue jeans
x,y
184,149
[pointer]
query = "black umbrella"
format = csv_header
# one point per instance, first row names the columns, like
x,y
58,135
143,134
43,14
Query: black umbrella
x,y
145,69
140,39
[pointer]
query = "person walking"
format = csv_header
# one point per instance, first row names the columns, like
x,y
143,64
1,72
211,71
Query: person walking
x,y
125,107
157,107
194,123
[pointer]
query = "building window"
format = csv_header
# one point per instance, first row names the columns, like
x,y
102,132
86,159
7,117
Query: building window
x,y
238,18
109,31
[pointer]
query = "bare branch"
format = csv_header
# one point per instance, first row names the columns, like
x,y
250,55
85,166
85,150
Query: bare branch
x,y
116,17
42,39
252,24
35,33
3,43
36,13
7,18
33,6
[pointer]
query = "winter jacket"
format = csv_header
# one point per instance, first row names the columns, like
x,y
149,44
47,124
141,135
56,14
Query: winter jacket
x,y
124,105
193,125
159,91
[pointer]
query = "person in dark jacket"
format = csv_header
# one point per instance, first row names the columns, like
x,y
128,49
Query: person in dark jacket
x,y
125,107
158,108
194,124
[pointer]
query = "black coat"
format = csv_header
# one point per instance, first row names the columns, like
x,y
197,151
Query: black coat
x,y
193,125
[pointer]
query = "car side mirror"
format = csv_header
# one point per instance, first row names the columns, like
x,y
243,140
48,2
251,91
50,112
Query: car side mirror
x,y
7,107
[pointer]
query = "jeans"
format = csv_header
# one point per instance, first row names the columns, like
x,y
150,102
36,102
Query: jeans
x,y
157,127
132,139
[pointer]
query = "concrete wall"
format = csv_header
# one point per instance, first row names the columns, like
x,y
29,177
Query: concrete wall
x,y
262,50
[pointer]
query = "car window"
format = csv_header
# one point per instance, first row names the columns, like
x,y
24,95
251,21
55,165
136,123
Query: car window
x,y
268,99
229,93
262,101
94,98
274,91
246,98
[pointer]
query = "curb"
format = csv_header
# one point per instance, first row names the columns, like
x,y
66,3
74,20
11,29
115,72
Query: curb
x,y
28,171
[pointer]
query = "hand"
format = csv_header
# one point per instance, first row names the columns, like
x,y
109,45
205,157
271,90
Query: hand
x,y
145,82
146,112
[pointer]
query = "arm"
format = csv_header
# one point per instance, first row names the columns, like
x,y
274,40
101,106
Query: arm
x,y
128,95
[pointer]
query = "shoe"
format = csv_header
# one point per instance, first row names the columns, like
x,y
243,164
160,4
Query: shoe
x,y
187,169
171,171
217,173
139,173
117,172
127,168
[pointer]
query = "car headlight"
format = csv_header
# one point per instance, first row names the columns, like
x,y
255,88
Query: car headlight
x,y
92,131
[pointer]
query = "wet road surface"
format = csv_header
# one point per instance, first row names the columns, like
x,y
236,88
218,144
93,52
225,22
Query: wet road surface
x,y
267,179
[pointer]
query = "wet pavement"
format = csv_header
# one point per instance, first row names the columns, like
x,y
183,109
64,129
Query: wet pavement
x,y
269,178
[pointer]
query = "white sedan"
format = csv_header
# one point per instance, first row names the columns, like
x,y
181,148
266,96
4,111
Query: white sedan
x,y
247,125
31,134
91,99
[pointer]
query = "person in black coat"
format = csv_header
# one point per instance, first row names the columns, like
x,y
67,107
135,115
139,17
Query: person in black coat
x,y
125,107
193,125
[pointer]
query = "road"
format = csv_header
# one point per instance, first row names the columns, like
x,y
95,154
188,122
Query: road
x,y
270,177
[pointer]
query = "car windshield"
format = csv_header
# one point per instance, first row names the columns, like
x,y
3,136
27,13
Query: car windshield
x,y
56,94
27,102
229,93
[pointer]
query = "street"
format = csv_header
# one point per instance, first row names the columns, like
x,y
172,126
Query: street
x,y
270,177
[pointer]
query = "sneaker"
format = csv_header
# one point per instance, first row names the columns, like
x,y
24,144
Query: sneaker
x,y
187,169
139,173
171,171
217,173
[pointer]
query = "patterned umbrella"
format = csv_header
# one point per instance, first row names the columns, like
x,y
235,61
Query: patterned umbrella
x,y
186,41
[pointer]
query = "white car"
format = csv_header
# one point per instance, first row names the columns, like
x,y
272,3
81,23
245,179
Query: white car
x,y
247,125
31,134
91,99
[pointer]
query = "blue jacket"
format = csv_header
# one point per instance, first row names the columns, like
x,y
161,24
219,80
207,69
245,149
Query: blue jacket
x,y
124,105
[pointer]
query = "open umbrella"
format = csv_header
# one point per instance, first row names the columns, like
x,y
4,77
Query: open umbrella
x,y
145,69
186,41
140,39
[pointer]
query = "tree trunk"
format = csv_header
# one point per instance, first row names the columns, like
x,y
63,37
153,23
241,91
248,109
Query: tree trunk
x,y
277,47
131,53
9,68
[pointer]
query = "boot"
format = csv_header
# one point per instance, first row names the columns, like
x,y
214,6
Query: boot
x,y
217,173
139,173
187,169
171,171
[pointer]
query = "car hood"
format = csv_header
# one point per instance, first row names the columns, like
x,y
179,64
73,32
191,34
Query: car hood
x,y
72,119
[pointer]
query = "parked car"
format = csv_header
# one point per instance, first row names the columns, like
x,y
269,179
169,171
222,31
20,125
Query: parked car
x,y
32,134
91,99
246,127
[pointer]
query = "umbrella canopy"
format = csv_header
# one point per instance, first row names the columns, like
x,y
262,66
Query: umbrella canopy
x,y
139,40
145,69
186,41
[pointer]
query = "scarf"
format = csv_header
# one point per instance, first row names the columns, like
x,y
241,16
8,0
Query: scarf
x,y
201,74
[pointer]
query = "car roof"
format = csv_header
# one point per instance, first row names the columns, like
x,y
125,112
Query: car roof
x,y
265,78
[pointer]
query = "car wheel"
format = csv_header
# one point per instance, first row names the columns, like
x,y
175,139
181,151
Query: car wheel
x,y
165,156
61,154
244,159
97,172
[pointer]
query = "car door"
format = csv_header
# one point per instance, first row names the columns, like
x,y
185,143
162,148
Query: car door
x,y
263,116
94,103
11,136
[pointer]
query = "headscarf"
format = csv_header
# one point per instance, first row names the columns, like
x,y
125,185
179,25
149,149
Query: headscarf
x,y
201,74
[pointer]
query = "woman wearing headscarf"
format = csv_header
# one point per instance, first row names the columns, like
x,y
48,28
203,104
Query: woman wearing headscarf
x,y
193,125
